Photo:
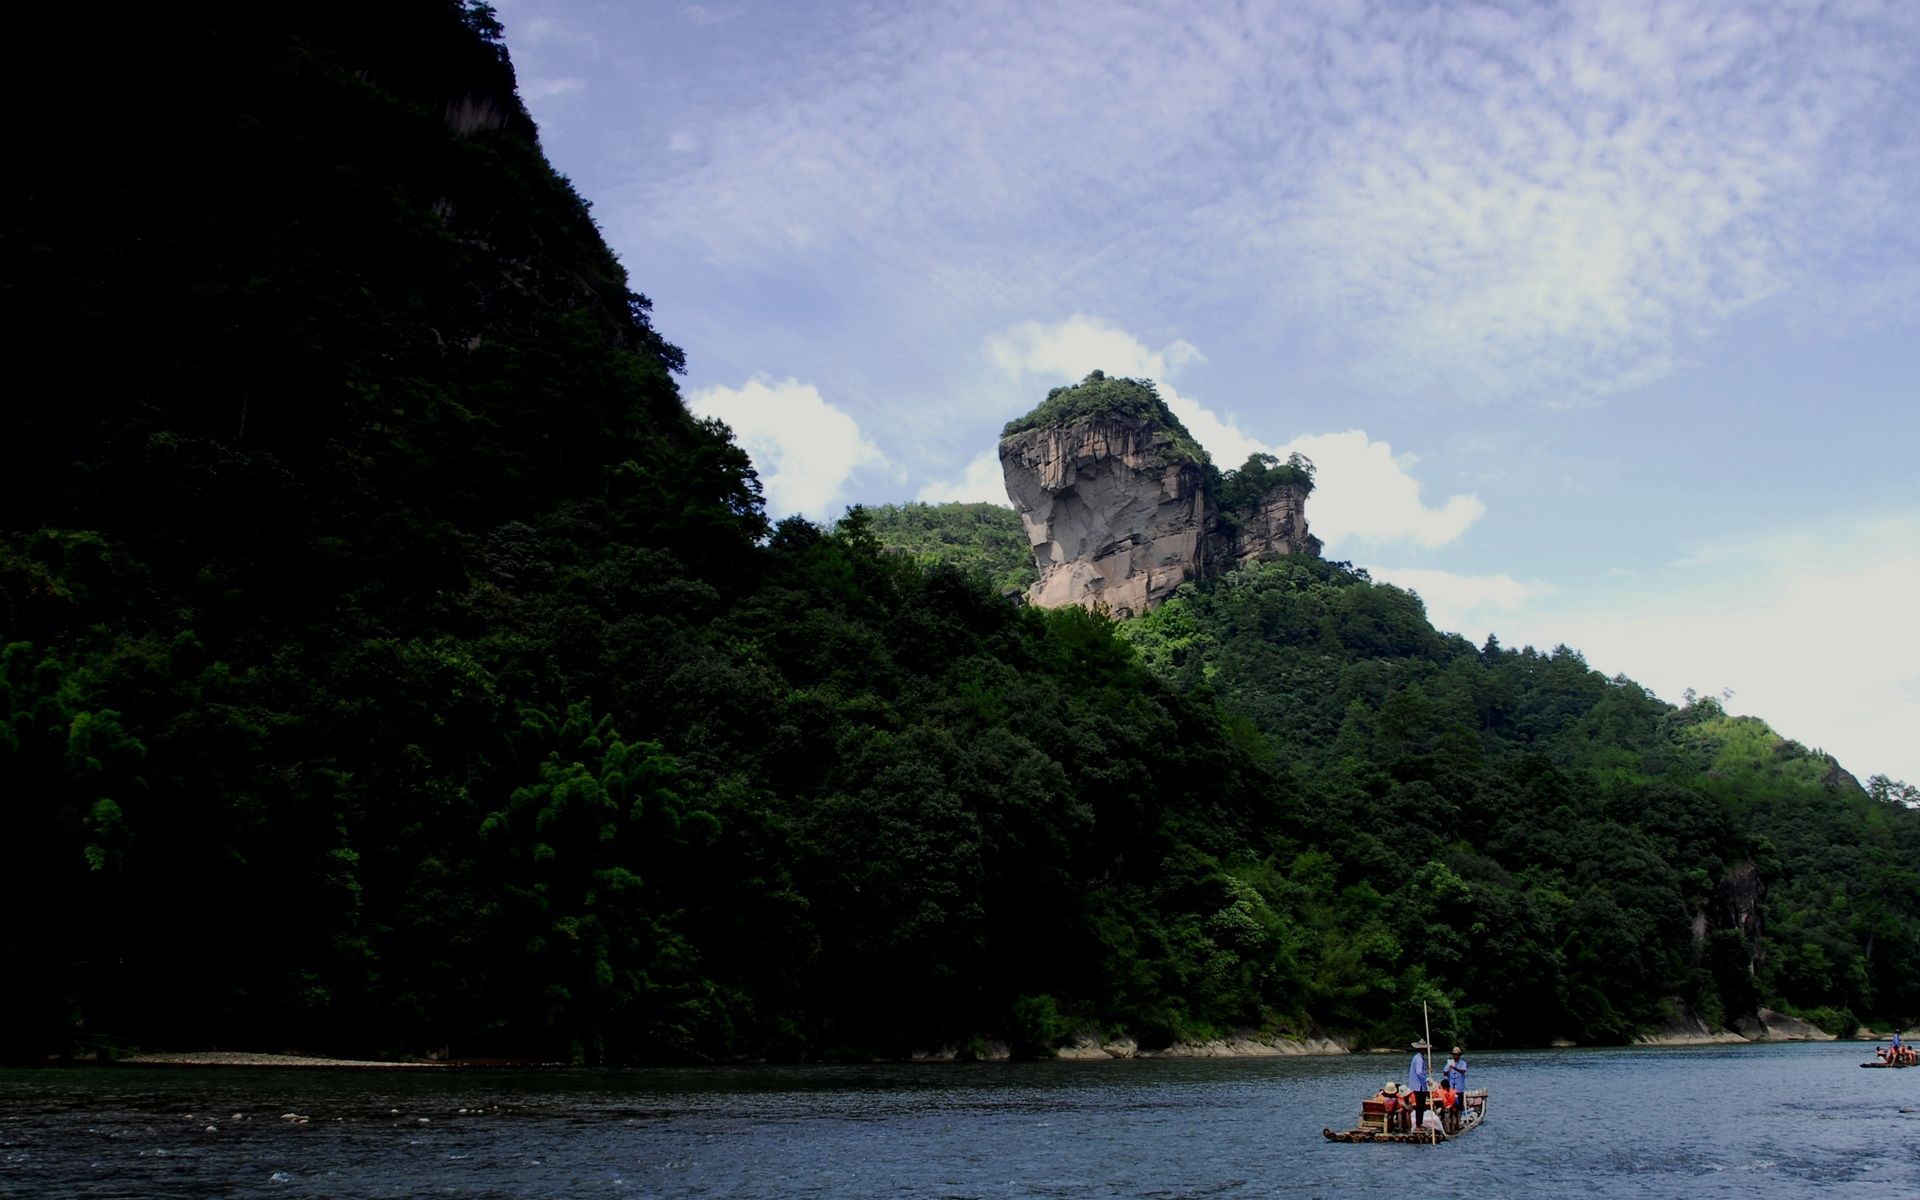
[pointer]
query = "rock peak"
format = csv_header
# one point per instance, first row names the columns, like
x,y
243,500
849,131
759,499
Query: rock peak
x,y
1122,506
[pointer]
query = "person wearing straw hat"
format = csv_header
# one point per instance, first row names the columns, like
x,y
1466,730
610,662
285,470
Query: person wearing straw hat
x,y
1455,1073
1417,1075
1389,1098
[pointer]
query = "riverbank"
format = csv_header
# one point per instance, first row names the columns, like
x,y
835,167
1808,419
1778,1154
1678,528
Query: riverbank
x,y
1091,1048
237,1058
1764,1026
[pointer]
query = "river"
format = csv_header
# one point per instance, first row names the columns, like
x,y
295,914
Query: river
x,y
1748,1121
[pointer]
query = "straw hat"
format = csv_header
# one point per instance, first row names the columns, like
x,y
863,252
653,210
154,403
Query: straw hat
x,y
1392,1087
1422,1044
1458,1050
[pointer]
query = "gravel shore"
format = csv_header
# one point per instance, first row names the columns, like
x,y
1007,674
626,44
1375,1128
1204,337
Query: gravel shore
x,y
238,1058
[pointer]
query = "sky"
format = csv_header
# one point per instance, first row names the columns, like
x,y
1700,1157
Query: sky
x,y
1600,321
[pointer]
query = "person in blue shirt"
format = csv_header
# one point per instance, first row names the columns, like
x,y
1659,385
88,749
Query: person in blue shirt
x,y
1455,1072
1417,1075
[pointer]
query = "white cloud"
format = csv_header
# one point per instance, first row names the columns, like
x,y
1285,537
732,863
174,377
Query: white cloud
x,y
1363,493
1814,632
1071,348
804,448
982,480
1066,351
1464,604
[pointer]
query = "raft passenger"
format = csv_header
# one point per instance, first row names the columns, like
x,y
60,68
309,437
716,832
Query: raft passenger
x,y
1455,1073
1389,1100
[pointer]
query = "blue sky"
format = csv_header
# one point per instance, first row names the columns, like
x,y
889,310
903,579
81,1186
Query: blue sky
x,y
1601,321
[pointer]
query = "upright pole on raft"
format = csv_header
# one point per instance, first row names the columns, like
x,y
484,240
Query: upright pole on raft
x,y
1427,1020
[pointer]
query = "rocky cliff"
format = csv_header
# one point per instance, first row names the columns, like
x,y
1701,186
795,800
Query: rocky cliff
x,y
1122,506
1273,524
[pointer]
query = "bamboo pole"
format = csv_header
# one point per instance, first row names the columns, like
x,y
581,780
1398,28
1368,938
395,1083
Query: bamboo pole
x,y
1427,1020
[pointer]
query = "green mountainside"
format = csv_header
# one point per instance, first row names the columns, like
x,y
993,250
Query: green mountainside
x,y
1545,836
389,662
983,539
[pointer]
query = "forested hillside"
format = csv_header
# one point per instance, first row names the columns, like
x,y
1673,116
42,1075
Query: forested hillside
x,y
984,539
391,664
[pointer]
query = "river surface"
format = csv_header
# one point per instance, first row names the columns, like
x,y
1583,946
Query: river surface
x,y
1748,1121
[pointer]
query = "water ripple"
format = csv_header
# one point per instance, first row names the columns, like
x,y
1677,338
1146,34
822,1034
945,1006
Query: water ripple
x,y
1654,1123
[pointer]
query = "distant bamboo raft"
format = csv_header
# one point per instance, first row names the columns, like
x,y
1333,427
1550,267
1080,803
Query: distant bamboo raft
x,y
1373,1124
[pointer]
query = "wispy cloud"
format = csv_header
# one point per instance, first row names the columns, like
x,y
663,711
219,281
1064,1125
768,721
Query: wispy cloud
x,y
542,89
706,16
1550,202
1467,604
804,448
537,28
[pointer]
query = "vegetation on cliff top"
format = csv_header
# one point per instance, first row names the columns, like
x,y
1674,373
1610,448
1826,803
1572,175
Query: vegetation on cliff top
x,y
1103,395
1261,473
388,662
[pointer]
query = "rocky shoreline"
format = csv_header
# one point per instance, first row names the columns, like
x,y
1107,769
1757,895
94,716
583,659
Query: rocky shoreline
x,y
1765,1026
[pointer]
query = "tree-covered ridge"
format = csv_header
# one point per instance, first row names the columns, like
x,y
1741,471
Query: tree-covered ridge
x,y
981,538
1577,824
1241,489
340,357
1102,395
388,663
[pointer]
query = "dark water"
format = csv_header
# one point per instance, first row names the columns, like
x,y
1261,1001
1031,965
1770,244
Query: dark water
x,y
1743,1121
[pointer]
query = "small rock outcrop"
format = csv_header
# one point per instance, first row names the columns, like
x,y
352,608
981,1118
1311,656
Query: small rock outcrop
x,y
1766,1025
1122,506
1275,525
1684,1027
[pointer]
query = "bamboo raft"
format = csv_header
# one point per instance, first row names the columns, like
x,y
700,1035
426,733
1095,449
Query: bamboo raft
x,y
1890,1064
1373,1124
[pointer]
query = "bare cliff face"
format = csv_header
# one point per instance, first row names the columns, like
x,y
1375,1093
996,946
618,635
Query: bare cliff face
x,y
1119,503
1114,515
1273,525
